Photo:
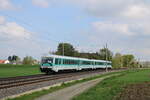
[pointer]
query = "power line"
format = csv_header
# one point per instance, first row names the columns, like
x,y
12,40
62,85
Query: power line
x,y
106,58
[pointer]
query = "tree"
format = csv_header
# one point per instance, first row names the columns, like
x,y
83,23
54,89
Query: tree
x,y
28,60
105,52
18,60
117,61
128,60
10,58
66,49
89,55
14,59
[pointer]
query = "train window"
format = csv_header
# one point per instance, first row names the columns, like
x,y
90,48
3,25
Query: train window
x,y
59,61
92,63
68,61
75,62
100,63
56,61
71,62
86,62
108,63
64,61
104,63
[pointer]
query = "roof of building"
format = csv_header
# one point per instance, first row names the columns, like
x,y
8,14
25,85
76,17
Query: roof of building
x,y
2,61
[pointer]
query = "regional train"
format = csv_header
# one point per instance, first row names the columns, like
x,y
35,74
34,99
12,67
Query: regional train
x,y
55,63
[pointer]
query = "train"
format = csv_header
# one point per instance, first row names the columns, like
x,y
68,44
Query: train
x,y
56,63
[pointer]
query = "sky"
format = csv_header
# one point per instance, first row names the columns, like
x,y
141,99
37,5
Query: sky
x,y
36,27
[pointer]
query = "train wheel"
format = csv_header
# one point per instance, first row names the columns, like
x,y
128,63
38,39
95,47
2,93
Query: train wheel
x,y
50,72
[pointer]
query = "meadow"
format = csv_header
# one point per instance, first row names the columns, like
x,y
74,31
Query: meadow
x,y
110,89
8,70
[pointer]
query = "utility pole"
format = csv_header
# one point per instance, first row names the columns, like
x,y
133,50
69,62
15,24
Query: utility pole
x,y
106,58
138,62
63,49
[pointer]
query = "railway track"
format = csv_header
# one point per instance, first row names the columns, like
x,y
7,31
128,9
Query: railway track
x,y
6,83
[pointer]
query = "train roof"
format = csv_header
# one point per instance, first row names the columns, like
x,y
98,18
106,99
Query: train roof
x,y
76,58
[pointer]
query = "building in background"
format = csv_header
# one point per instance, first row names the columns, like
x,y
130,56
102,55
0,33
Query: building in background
x,y
4,61
145,63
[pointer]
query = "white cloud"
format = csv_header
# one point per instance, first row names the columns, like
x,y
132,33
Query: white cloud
x,y
129,29
137,11
2,20
144,51
109,27
6,4
102,8
41,3
105,8
11,30
15,39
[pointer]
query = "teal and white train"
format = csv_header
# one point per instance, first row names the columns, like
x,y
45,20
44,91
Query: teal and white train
x,y
55,63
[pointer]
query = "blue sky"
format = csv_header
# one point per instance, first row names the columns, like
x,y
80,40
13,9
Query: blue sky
x,y
35,27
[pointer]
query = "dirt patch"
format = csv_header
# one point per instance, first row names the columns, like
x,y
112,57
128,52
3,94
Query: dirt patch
x,y
139,91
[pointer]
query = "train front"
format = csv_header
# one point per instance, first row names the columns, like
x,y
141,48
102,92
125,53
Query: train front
x,y
46,64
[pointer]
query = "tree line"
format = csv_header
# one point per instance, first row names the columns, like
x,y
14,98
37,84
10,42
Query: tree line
x,y
118,59
67,49
26,60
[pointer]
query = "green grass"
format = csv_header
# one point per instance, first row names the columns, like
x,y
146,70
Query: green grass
x,y
8,70
34,95
109,88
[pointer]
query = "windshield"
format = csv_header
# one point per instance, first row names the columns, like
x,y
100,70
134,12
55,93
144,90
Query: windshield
x,y
47,60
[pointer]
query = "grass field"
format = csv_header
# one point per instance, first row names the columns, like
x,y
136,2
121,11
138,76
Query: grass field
x,y
7,70
111,87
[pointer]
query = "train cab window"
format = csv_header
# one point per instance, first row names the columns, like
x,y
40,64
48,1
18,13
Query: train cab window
x,y
47,60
